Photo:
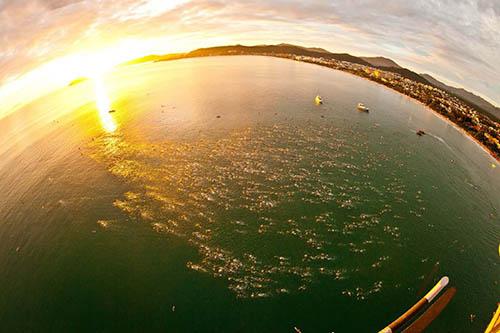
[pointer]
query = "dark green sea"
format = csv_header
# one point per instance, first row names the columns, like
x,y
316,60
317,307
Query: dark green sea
x,y
219,198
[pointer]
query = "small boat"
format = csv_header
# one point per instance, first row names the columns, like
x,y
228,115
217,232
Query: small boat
x,y
318,100
406,317
362,107
420,132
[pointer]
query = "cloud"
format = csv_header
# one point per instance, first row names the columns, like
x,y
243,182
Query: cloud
x,y
456,40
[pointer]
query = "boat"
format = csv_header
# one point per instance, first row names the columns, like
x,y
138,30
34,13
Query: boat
x,y
362,107
318,100
420,132
406,317
431,313
494,325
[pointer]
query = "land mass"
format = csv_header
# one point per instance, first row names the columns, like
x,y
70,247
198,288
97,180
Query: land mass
x,y
380,62
470,112
77,81
478,101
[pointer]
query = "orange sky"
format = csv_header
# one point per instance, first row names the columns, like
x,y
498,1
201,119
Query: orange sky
x,y
46,43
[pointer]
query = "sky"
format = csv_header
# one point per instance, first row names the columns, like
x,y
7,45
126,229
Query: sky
x,y
46,43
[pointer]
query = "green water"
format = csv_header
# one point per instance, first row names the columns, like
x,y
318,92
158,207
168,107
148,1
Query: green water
x,y
225,200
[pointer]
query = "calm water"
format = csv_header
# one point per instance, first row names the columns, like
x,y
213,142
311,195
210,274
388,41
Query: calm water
x,y
218,197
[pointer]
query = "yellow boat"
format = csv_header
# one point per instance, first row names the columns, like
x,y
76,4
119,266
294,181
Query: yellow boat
x,y
362,107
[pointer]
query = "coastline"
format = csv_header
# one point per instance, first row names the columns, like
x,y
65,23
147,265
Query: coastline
x,y
483,147
460,129
493,154
439,115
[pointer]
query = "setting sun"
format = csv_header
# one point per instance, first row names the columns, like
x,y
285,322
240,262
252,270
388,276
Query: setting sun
x,y
59,72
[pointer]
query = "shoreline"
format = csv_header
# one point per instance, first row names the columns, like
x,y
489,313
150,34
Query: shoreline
x,y
494,155
460,129
447,120
439,115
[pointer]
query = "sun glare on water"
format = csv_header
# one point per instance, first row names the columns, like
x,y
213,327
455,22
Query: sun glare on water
x,y
103,105
57,73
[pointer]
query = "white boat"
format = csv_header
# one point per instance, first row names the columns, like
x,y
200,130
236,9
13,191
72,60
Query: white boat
x,y
362,107
318,100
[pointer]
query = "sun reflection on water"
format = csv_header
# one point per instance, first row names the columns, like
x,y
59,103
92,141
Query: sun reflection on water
x,y
103,105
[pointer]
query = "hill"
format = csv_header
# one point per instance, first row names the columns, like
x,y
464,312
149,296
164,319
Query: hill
x,y
473,100
311,52
77,81
404,72
380,62
153,58
314,49
280,48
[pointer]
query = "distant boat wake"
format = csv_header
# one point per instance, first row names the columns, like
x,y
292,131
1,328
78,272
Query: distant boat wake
x,y
440,139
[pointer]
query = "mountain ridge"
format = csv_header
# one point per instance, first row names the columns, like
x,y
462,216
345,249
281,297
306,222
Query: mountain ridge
x,y
474,99
381,61
280,48
378,62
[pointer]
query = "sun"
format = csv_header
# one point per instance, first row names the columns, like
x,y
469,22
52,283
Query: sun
x,y
58,73
103,105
